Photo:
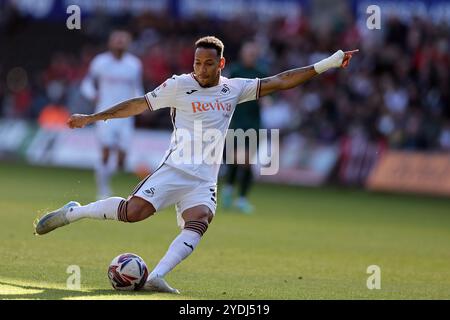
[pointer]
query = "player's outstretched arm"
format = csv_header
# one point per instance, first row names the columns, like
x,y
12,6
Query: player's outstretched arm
x,y
124,109
292,78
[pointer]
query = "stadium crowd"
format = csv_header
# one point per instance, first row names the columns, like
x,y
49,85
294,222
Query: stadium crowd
x,y
395,93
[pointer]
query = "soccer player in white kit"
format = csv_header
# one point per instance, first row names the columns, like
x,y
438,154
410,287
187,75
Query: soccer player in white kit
x,y
205,97
114,76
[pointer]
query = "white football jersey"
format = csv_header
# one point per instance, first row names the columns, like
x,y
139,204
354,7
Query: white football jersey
x,y
200,118
113,80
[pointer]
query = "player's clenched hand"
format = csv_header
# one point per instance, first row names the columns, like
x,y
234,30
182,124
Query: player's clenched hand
x,y
79,120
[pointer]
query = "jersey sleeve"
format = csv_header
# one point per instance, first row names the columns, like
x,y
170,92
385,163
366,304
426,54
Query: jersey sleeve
x,y
249,89
163,96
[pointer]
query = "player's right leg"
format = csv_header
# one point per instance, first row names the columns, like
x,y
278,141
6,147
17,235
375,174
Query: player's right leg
x,y
115,208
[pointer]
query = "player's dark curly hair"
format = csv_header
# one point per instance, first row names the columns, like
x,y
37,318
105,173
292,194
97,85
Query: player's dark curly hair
x,y
210,42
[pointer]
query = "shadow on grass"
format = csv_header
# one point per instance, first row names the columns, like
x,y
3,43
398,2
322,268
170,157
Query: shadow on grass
x,y
57,294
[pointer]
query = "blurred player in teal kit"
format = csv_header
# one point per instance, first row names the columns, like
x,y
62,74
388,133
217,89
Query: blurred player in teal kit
x,y
247,116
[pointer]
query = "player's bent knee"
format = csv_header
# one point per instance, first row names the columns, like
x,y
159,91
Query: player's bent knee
x,y
136,209
197,219
199,213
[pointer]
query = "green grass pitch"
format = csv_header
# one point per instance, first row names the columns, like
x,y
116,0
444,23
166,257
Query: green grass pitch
x,y
302,243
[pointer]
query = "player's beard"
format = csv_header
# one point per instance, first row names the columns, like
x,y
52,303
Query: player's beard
x,y
214,81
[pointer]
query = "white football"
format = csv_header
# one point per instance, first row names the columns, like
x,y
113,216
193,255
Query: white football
x,y
127,272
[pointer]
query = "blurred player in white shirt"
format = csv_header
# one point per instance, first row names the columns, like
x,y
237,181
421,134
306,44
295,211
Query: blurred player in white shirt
x,y
204,97
114,76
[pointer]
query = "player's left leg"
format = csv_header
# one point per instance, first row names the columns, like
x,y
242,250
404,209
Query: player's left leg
x,y
196,222
151,194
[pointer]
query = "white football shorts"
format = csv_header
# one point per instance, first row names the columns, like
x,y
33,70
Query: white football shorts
x,y
168,185
115,133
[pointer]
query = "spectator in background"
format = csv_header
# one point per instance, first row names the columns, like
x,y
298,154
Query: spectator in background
x,y
246,117
399,90
53,117
444,137
55,114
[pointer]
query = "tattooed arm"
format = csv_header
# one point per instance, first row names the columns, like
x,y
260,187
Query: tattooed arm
x,y
124,109
292,78
286,80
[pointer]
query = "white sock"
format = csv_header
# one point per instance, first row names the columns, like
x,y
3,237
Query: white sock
x,y
102,209
181,247
103,174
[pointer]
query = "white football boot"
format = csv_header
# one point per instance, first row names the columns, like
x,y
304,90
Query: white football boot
x,y
158,284
55,219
